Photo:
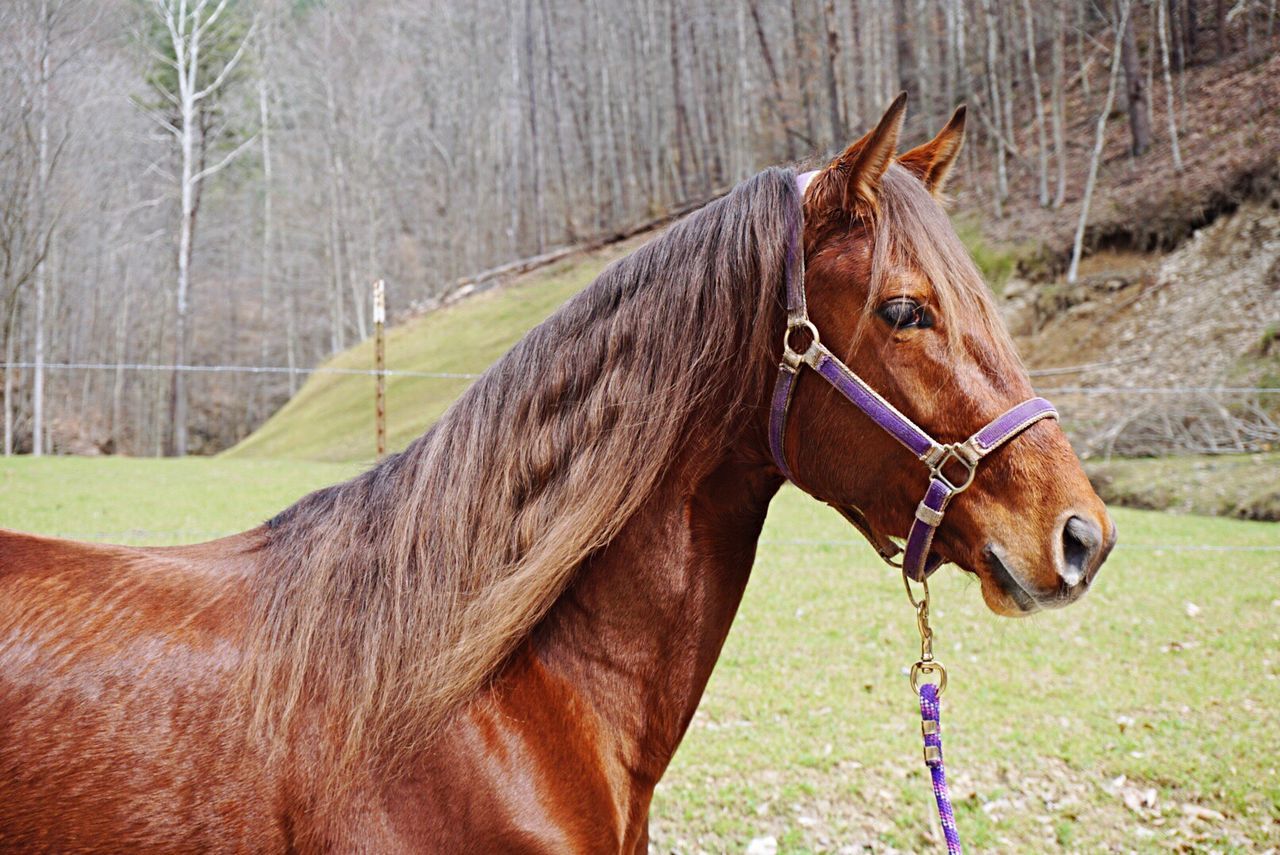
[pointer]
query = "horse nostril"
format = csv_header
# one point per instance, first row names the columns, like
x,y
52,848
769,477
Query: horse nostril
x,y
1081,540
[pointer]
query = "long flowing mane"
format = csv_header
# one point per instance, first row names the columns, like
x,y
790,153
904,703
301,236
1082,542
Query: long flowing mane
x,y
388,600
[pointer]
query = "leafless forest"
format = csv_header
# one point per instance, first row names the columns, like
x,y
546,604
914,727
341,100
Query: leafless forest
x,y
218,182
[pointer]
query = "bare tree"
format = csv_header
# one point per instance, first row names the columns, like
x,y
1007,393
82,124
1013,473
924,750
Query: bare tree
x,y
1220,28
199,74
1058,102
996,121
1168,85
1037,97
423,144
42,200
1190,31
268,190
832,61
1135,88
27,166
1077,246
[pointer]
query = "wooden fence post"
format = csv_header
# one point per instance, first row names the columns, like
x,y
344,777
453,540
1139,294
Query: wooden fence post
x,y
380,364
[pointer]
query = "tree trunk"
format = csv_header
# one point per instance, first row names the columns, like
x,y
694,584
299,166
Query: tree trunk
x,y
903,52
743,107
1082,62
8,377
121,354
1190,30
1168,84
1220,28
993,91
1008,56
682,156
829,71
926,64
800,42
566,203
535,157
950,77
268,236
1099,138
1059,103
1135,88
291,334
1176,42
1038,99
42,190
777,101
511,157
186,227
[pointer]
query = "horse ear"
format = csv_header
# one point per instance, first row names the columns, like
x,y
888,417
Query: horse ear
x,y
851,182
932,161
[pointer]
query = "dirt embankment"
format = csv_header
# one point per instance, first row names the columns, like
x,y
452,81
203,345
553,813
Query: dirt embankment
x,y
1178,296
1229,136
1180,282
1184,318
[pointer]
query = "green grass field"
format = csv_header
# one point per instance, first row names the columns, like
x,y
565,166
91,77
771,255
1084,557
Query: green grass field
x,y
149,500
1142,719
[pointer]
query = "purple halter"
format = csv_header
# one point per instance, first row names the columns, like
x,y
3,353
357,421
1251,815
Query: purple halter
x,y
919,560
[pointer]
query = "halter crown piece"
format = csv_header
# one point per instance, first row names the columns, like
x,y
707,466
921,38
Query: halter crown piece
x,y
919,559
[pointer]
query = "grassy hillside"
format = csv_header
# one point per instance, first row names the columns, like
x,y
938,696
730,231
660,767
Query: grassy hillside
x,y
1137,720
331,418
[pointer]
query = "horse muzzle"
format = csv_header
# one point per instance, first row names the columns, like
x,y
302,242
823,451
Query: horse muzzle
x,y
1080,547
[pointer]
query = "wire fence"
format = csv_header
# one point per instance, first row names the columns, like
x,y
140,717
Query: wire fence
x,y
1103,420
237,369
460,375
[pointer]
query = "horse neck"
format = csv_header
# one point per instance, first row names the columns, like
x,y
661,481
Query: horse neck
x,y
640,631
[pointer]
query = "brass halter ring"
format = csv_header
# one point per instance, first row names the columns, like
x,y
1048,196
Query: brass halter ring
x,y
922,668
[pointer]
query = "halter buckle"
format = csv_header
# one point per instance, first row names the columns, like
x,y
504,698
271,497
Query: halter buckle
x,y
961,452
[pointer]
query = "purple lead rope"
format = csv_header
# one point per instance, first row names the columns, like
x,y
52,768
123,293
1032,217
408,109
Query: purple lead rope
x,y
931,727
952,467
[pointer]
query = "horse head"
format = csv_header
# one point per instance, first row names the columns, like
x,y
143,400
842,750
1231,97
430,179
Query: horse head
x,y
896,296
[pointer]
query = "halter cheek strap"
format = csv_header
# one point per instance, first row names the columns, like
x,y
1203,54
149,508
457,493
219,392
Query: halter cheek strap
x,y
960,459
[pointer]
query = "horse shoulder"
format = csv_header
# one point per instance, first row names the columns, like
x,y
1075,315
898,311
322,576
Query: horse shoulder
x,y
116,665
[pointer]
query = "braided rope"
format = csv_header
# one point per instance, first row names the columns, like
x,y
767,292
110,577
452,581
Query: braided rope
x,y
930,712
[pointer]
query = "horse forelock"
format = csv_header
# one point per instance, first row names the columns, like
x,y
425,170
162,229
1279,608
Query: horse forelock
x,y
913,229
386,602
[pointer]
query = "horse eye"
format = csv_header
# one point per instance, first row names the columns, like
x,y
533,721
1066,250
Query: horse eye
x,y
904,313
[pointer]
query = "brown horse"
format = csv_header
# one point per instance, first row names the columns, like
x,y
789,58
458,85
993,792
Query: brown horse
x,y
495,640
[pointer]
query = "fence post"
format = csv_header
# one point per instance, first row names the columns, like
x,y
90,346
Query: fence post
x,y
380,364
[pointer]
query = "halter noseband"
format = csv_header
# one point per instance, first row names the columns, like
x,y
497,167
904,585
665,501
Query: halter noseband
x,y
919,560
